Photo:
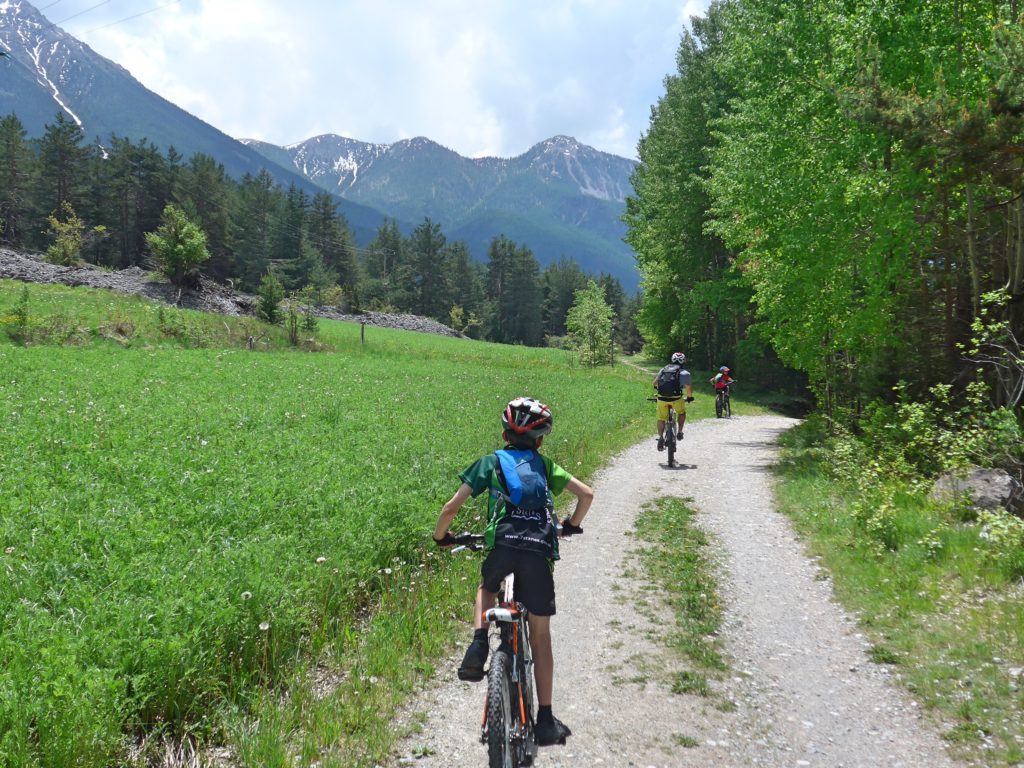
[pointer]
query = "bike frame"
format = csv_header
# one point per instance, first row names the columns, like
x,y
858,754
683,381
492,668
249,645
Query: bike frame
x,y
670,432
724,406
670,436
512,621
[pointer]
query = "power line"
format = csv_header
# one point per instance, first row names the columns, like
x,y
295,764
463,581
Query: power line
x,y
51,24
76,15
129,18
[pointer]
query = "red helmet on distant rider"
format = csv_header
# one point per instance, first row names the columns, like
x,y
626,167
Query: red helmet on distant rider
x,y
678,358
527,417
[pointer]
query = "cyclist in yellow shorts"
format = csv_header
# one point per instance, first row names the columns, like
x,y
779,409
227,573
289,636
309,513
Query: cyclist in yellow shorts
x,y
671,383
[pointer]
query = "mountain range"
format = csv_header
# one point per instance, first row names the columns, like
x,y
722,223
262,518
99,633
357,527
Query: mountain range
x,y
560,198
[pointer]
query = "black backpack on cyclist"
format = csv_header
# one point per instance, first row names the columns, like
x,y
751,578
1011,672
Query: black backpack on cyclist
x,y
668,381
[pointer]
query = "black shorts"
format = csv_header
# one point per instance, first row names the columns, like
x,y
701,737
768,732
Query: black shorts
x,y
535,581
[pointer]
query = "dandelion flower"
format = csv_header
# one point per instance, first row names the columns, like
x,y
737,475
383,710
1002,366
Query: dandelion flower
x,y
387,571
247,595
264,626
321,560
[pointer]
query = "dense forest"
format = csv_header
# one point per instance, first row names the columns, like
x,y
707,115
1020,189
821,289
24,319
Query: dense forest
x,y
838,187
107,197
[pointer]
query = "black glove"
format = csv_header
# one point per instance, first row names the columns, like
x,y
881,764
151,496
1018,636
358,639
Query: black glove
x,y
444,543
689,399
568,529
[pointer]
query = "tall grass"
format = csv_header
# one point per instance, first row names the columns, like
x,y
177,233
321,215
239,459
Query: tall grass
x,y
188,534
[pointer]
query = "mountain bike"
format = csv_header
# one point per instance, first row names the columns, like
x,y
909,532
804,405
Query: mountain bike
x,y
510,707
670,433
723,404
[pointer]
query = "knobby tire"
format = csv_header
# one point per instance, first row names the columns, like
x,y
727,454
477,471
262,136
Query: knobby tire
x,y
718,405
499,712
670,446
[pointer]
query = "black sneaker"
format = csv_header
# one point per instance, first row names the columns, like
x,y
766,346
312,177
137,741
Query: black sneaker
x,y
472,669
661,444
551,732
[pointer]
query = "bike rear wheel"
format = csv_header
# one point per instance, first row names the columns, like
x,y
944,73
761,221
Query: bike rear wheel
x,y
728,406
718,405
670,446
500,752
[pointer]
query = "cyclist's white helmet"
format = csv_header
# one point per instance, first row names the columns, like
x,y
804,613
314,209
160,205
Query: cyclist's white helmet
x,y
724,369
678,358
526,416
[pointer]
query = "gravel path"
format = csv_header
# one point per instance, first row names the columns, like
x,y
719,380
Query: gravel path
x,y
800,690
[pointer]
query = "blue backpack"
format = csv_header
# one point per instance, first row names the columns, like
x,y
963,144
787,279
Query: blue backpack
x,y
524,515
525,477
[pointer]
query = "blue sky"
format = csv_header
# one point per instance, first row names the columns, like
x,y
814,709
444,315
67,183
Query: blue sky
x,y
482,77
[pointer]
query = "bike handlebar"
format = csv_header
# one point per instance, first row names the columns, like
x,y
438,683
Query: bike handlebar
x,y
474,541
470,541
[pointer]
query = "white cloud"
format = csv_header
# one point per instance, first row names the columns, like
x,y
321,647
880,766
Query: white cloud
x,y
488,78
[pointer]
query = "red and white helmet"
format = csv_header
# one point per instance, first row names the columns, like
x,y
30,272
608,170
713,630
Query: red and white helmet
x,y
526,416
678,358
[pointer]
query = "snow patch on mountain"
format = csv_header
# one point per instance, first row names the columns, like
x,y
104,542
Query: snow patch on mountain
x,y
44,79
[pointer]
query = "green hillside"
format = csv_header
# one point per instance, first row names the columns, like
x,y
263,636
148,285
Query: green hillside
x,y
184,527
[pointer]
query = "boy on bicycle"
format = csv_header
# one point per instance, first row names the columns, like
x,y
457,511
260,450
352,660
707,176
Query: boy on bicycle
x,y
670,383
519,540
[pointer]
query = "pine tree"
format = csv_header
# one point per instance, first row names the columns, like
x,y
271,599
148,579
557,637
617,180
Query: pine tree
x,y
329,234
513,285
289,240
561,280
427,253
61,169
464,281
16,165
254,208
388,277
202,191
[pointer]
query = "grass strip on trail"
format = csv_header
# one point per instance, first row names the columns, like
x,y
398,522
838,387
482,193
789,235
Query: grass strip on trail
x,y
675,558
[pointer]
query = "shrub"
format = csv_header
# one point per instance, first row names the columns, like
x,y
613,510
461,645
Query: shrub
x,y
179,245
271,294
1003,535
19,317
68,233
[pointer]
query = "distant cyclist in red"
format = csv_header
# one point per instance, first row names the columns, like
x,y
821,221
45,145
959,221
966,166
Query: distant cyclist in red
x,y
722,379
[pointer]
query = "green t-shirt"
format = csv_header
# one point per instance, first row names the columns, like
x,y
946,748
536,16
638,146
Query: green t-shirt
x,y
482,476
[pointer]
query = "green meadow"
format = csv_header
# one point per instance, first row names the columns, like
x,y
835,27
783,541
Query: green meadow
x,y
191,530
